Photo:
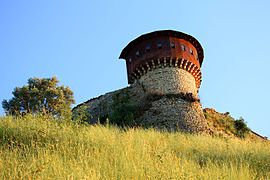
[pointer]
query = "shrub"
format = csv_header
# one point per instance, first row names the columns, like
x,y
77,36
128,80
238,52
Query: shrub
x,y
124,111
81,114
241,128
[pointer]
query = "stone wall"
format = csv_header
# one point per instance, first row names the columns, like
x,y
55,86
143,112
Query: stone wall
x,y
102,106
170,109
169,80
174,114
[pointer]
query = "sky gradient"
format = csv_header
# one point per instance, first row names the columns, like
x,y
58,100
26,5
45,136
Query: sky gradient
x,y
80,42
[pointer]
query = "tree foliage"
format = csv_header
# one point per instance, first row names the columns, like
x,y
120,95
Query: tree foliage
x,y
40,95
124,111
81,115
241,128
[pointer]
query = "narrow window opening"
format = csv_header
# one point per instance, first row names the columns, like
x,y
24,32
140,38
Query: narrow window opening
x,y
147,49
172,45
191,51
159,46
183,47
138,54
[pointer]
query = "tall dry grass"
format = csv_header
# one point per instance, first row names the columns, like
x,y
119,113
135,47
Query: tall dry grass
x,y
42,148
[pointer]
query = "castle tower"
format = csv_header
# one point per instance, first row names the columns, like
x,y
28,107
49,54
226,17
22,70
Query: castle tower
x,y
168,63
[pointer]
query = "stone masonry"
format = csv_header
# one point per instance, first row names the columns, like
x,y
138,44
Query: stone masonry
x,y
169,80
163,69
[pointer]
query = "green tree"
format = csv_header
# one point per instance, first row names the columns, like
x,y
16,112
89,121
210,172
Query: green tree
x,y
40,95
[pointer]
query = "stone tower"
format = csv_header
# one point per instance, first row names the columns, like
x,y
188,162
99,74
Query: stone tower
x,y
167,63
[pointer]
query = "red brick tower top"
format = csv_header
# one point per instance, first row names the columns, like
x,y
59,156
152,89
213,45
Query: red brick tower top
x,y
163,48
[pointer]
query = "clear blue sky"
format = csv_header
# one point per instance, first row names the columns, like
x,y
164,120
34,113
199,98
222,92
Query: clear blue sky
x,y
80,42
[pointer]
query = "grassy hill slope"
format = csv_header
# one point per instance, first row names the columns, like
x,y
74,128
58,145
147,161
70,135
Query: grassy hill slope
x,y
223,125
41,148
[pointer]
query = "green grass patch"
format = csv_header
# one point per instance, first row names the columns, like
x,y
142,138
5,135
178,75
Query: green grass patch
x,y
43,148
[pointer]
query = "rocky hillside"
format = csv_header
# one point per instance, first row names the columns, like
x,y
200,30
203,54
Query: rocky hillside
x,y
133,107
222,124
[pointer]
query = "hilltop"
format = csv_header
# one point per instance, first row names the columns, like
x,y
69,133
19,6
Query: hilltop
x,y
42,148
132,107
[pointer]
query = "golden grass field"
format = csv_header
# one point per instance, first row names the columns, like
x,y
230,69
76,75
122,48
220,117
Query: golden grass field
x,y
43,148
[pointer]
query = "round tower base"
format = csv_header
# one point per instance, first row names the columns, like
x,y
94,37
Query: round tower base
x,y
173,113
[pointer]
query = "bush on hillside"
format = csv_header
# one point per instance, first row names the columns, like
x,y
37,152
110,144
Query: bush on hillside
x,y
124,111
241,128
81,115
